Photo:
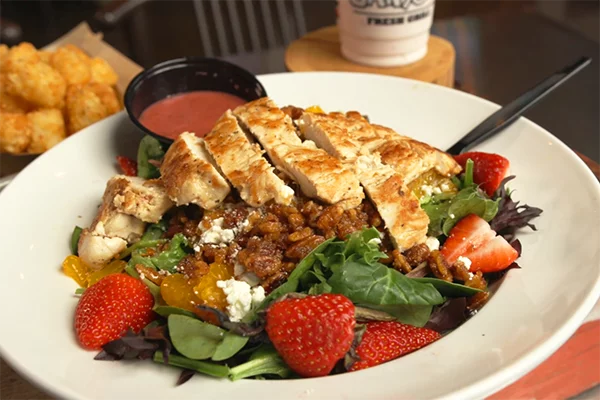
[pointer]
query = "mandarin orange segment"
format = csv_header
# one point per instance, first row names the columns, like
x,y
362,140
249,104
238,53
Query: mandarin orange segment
x,y
177,291
75,269
207,290
114,267
315,110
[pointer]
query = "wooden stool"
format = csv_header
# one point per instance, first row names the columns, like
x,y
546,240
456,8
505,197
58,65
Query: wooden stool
x,y
320,51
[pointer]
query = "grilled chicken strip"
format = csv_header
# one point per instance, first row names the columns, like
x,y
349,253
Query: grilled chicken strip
x,y
243,164
404,218
411,158
145,199
111,230
97,250
319,174
188,174
346,136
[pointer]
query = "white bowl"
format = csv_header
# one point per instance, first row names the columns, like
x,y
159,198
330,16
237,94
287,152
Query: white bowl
x,y
532,314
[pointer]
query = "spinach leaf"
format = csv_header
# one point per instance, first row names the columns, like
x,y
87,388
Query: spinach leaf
x,y
450,289
230,346
167,259
150,149
293,281
75,240
204,367
165,311
200,340
377,284
469,201
193,338
407,314
155,231
264,361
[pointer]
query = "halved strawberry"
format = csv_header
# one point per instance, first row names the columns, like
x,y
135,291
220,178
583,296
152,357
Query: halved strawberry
x,y
488,169
468,235
473,238
495,255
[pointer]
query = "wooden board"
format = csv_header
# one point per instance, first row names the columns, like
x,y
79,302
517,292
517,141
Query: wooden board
x,y
320,51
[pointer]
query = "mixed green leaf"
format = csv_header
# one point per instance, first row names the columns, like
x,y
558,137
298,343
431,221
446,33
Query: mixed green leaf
x,y
149,150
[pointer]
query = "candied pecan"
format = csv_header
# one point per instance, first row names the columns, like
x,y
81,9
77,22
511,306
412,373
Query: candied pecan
x,y
438,266
417,254
234,216
477,301
477,281
211,253
193,266
272,282
190,228
330,217
300,249
311,210
460,272
270,227
293,111
300,235
262,257
400,263
296,221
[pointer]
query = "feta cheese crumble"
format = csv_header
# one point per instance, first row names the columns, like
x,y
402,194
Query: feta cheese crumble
x,y
376,241
216,234
466,262
427,190
432,243
241,297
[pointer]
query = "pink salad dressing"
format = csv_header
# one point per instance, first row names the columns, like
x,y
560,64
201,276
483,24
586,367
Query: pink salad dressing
x,y
196,112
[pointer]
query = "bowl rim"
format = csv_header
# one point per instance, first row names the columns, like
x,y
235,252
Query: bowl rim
x,y
163,66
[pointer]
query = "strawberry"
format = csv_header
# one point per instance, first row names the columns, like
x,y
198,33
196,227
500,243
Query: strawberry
x,y
128,166
488,169
473,238
384,341
313,333
111,306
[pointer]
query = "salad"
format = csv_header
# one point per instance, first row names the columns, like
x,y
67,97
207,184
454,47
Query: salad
x,y
290,243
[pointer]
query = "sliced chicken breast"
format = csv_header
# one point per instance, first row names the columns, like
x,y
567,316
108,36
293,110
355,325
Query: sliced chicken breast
x,y
346,136
189,176
144,199
243,164
319,174
411,158
96,250
404,218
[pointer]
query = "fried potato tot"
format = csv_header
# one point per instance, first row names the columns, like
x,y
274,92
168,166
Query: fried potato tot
x,y
38,83
107,96
72,63
84,108
24,53
15,132
47,129
10,103
102,72
3,53
45,56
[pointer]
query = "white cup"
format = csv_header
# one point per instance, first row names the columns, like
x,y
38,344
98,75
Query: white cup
x,y
384,33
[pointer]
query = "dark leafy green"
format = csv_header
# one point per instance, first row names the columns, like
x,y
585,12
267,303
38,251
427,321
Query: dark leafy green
x,y
445,211
75,239
150,149
167,259
449,289
264,361
204,367
152,339
165,311
200,340
406,313
377,284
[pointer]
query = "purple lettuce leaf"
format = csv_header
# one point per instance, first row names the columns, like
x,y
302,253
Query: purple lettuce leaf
x,y
139,346
449,315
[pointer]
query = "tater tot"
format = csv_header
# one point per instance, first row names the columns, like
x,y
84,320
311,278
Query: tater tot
x,y
72,64
45,56
24,53
3,53
102,72
10,103
84,108
38,83
107,96
47,129
15,132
